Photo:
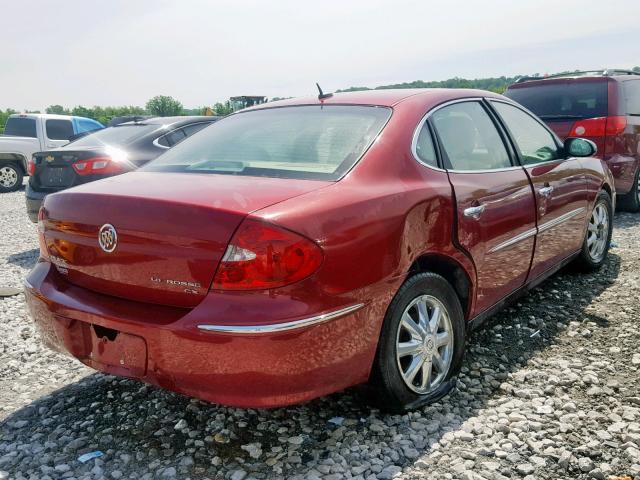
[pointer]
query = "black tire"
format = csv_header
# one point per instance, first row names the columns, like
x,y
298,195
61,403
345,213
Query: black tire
x,y
586,261
631,201
389,390
10,177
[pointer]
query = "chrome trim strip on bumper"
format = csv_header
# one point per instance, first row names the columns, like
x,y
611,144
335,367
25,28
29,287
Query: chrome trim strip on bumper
x,y
514,240
562,218
533,231
281,327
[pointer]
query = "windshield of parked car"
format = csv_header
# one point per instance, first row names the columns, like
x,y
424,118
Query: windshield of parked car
x,y
119,135
309,142
563,100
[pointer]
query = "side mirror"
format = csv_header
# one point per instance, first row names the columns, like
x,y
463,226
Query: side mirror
x,y
579,147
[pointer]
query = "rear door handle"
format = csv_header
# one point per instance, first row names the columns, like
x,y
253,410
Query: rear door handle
x,y
474,212
546,191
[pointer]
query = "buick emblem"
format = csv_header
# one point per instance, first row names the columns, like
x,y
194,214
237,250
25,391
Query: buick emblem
x,y
108,238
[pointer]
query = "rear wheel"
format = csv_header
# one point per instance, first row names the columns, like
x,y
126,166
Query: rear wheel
x,y
597,240
10,177
421,344
631,201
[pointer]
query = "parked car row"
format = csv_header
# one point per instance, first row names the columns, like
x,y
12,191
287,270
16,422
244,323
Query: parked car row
x,y
25,134
301,247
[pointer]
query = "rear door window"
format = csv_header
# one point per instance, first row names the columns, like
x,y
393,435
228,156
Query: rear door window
x,y
632,95
563,100
196,127
469,138
87,126
59,129
21,127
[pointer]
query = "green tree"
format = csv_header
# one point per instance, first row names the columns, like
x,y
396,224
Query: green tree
x,y
223,108
57,109
164,106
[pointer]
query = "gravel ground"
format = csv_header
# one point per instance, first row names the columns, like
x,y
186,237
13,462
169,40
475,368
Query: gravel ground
x,y
550,390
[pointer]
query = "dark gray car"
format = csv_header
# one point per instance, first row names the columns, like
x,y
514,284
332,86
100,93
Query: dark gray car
x,y
111,151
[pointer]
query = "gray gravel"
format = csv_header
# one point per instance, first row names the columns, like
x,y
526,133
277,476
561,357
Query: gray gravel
x,y
550,389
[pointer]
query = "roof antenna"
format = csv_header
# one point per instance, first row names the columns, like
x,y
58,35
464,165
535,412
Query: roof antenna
x,y
321,94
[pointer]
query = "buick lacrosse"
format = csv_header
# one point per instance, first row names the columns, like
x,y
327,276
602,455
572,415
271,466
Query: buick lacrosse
x,y
305,246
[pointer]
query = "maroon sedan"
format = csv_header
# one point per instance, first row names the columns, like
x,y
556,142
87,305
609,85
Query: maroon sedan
x,y
305,246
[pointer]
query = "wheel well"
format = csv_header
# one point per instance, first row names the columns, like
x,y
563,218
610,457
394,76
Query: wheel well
x,y
607,188
451,271
14,158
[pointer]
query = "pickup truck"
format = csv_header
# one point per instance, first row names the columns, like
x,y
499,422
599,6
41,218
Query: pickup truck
x,y
25,134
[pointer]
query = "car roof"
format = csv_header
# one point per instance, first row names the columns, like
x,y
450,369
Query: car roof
x,y
586,76
382,97
49,116
174,120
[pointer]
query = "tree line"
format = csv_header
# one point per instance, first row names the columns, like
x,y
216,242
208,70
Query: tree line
x,y
161,106
165,106
493,84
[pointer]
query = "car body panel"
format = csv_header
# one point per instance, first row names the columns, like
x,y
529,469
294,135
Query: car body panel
x,y
509,213
561,215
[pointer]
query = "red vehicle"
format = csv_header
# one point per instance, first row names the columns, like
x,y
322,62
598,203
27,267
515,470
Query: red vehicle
x,y
602,106
301,247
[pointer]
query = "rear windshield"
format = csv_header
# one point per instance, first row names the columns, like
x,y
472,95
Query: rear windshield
x,y
563,100
308,142
116,136
21,127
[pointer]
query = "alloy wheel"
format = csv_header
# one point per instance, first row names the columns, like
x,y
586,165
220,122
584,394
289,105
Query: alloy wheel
x,y
424,344
8,177
598,232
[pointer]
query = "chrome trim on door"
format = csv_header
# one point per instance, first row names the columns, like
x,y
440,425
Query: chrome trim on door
x,y
281,327
562,218
533,231
512,241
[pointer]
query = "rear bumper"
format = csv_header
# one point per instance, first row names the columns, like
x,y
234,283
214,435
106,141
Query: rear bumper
x,y
34,201
164,346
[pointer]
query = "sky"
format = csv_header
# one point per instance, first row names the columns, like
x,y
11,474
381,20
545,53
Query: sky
x,y
123,52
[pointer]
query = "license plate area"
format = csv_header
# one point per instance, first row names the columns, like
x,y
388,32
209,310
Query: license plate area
x,y
57,176
124,353
104,349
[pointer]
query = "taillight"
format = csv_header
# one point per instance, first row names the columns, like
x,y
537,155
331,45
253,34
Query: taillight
x,y
599,127
262,256
31,166
44,253
616,125
97,165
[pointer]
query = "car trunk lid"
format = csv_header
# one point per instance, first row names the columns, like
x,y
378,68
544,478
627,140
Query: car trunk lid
x,y
172,230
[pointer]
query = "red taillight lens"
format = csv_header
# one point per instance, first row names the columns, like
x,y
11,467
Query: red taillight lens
x,y
262,256
43,244
616,125
97,165
31,166
599,127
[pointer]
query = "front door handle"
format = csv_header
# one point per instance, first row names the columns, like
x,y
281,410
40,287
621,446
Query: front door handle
x,y
474,212
546,191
